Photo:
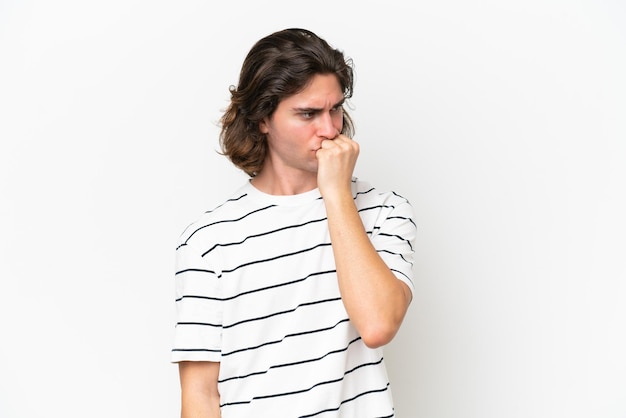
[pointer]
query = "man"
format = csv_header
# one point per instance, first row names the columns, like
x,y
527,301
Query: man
x,y
288,290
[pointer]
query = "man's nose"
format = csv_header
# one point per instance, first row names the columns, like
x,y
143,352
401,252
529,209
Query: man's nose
x,y
326,128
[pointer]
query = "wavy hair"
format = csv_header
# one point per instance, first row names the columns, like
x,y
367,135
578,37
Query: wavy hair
x,y
278,66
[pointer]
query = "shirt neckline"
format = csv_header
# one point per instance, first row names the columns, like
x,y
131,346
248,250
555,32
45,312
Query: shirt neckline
x,y
281,200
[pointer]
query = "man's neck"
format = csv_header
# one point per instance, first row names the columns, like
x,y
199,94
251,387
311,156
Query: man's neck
x,y
285,184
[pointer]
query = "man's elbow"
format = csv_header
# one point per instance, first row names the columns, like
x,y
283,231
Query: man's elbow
x,y
378,336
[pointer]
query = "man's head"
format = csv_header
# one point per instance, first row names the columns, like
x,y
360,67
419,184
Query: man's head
x,y
278,66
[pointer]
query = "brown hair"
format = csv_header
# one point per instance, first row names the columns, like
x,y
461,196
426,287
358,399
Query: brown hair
x,y
278,66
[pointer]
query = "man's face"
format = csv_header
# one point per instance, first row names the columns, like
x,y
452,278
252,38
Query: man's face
x,y
301,122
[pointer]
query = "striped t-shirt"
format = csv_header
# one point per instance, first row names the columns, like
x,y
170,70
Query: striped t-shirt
x,y
256,290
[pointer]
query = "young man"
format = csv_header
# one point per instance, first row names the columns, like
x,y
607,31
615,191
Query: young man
x,y
288,290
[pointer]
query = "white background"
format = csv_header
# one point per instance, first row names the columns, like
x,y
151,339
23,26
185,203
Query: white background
x,y
502,122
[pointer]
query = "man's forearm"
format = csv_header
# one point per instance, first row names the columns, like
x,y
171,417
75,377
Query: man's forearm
x,y
375,299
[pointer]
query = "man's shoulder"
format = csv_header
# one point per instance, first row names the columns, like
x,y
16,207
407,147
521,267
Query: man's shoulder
x,y
227,210
364,192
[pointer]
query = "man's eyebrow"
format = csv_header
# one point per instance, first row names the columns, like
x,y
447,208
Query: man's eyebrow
x,y
317,109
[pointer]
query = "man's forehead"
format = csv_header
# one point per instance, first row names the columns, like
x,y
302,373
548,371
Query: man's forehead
x,y
322,91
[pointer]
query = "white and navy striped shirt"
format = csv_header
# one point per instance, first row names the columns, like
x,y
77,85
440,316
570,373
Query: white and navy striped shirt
x,y
256,290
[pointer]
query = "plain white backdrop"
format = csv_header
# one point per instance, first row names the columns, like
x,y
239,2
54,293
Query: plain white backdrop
x,y
502,122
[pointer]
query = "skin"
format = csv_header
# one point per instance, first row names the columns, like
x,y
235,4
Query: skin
x,y
199,395
306,152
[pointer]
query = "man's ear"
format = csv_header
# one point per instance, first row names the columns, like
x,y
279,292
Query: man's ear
x,y
263,126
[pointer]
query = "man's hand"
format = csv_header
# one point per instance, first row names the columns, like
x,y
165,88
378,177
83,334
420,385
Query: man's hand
x,y
336,161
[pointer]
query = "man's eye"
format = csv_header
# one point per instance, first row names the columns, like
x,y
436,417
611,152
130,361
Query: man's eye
x,y
306,115
337,109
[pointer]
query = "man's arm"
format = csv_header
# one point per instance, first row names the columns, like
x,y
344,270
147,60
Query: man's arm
x,y
198,383
376,301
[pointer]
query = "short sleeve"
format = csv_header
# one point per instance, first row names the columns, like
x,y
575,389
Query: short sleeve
x,y
394,239
198,331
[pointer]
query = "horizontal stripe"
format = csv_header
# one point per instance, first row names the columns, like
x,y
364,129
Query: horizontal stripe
x,y
326,244
304,390
277,366
196,350
346,401
296,334
262,235
227,221
261,289
317,302
194,270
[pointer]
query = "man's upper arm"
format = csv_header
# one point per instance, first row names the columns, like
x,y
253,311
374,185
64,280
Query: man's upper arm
x,y
198,382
